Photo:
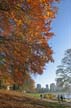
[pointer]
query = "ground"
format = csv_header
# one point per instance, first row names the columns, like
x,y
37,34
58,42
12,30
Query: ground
x,y
11,99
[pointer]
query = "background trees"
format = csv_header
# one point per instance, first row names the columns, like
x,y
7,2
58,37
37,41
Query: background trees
x,y
24,34
64,71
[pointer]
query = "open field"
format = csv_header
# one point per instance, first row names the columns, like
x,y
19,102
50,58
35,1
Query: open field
x,y
11,99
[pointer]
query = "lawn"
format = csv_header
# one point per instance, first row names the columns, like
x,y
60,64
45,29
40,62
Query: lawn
x,y
11,99
35,95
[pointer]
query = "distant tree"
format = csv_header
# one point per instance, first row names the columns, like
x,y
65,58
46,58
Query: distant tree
x,y
64,71
24,33
28,85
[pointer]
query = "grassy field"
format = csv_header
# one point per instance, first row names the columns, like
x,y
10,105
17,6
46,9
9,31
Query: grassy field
x,y
35,95
11,99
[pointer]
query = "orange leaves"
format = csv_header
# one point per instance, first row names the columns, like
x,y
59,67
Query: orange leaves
x,y
12,14
26,29
29,11
18,22
50,14
44,1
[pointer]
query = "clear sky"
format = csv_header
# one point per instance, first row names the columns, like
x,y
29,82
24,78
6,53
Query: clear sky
x,y
61,26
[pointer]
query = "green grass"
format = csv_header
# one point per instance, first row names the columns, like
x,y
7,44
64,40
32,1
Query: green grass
x,y
46,103
35,95
11,99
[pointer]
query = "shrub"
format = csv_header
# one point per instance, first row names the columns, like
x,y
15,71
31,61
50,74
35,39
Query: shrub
x,y
49,96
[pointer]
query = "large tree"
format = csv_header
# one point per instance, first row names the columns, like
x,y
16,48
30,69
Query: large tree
x,y
24,34
64,71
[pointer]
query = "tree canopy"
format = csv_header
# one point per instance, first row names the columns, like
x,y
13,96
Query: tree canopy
x,y
64,70
24,34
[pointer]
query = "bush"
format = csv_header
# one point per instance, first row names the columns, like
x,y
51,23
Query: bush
x,y
49,96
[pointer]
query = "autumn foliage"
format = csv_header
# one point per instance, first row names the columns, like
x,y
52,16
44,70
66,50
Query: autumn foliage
x,y
24,34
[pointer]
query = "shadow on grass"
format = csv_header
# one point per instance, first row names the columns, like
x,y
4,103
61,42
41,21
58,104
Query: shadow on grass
x,y
49,104
11,100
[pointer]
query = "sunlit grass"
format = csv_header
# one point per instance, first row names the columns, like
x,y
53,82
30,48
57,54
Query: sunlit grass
x,y
17,99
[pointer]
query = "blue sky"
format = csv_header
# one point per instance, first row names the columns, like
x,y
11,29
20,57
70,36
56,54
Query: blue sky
x,y
61,41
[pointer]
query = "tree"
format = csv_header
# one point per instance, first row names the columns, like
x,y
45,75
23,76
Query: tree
x,y
29,85
24,34
64,71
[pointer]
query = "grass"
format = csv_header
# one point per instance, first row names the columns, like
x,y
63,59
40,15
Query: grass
x,y
35,95
13,99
